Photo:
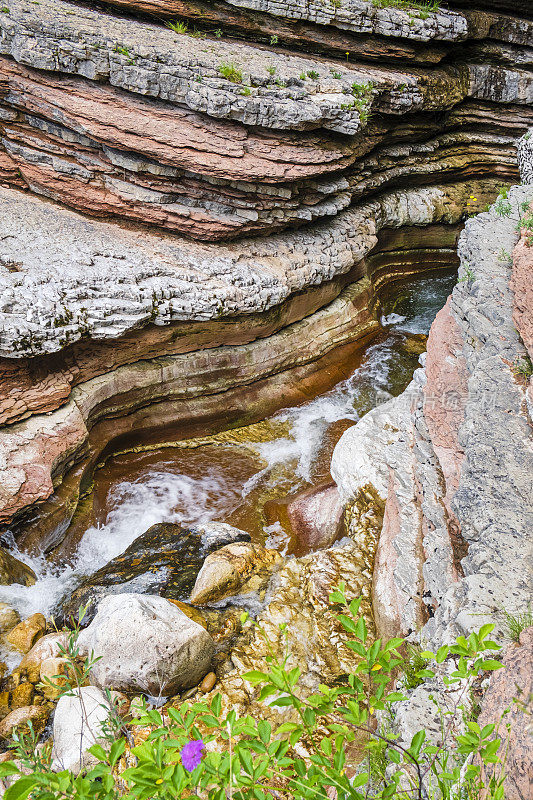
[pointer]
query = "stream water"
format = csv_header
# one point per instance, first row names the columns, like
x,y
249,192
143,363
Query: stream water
x,y
243,477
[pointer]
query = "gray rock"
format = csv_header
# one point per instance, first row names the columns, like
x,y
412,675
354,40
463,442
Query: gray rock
x,y
145,643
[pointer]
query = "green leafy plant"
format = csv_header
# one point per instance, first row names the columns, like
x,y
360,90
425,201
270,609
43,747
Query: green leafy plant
x,y
230,72
469,275
523,369
271,70
274,39
313,74
193,749
336,75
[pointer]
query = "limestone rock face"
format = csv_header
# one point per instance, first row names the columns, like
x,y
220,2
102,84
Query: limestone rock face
x,y
228,571
515,681
78,720
525,157
147,644
165,559
453,543
14,571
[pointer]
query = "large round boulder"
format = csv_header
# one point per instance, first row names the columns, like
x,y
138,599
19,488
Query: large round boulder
x,y
164,560
145,643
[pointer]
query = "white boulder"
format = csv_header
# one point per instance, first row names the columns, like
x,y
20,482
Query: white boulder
x,y
145,643
78,722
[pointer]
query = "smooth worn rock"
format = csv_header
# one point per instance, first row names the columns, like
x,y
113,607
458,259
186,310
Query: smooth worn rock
x,y
165,559
512,688
22,695
208,682
78,725
316,516
14,571
24,635
228,572
145,643
19,718
8,618
50,646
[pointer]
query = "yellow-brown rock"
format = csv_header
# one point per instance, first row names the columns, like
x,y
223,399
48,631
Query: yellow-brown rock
x,y
27,633
22,695
14,571
53,674
19,718
230,571
208,682
190,612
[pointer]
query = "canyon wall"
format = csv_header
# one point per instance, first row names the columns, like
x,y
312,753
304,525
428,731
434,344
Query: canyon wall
x,y
194,209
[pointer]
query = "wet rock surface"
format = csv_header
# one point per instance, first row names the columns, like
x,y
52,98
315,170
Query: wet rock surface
x,y
14,571
165,560
235,569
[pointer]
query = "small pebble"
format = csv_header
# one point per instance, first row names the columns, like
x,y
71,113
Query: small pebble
x,y
208,682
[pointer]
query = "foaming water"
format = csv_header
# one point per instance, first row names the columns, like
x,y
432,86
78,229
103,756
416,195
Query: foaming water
x,y
160,496
201,486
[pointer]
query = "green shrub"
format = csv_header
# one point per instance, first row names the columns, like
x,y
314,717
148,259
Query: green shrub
x,y
195,750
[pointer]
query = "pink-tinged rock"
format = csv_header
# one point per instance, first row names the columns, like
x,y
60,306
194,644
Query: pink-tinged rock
x,y
445,395
30,454
506,685
316,516
522,287
397,611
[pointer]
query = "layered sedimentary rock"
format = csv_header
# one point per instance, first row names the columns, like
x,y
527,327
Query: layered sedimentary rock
x,y
248,173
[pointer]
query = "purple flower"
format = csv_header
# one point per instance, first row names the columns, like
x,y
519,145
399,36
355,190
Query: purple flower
x,y
191,755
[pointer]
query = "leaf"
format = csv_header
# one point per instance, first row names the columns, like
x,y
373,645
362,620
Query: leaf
x,y
264,729
442,652
417,742
491,663
354,606
255,676
485,630
21,789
